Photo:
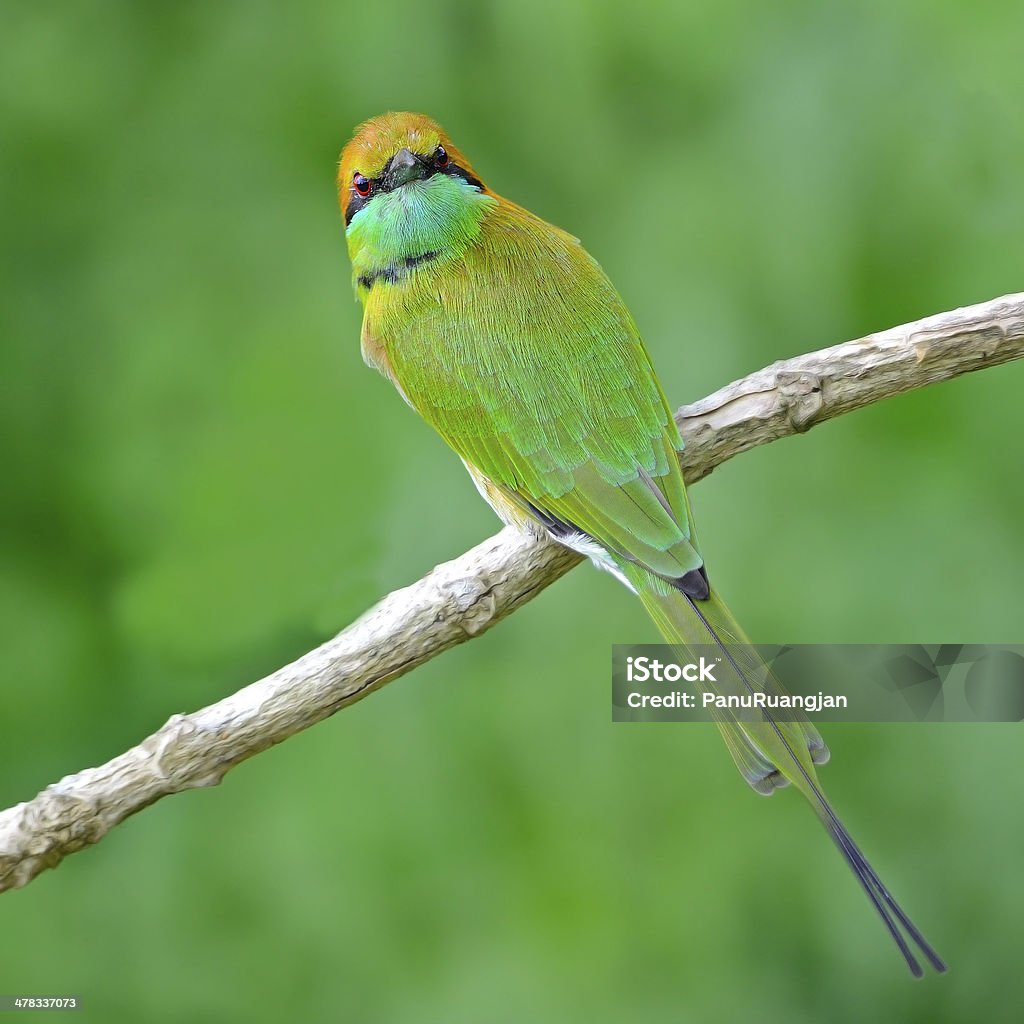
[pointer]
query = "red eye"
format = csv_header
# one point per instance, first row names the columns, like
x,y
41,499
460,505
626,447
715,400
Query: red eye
x,y
362,185
441,156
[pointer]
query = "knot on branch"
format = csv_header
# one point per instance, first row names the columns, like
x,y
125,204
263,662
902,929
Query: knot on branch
x,y
178,753
471,604
800,394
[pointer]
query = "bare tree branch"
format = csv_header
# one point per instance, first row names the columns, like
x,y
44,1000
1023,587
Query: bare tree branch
x,y
462,598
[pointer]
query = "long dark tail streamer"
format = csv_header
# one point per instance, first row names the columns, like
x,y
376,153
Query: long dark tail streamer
x,y
891,913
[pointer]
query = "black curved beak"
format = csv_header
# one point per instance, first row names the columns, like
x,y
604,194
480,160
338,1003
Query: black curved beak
x,y
405,166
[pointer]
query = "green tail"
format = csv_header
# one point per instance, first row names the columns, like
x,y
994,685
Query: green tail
x,y
768,752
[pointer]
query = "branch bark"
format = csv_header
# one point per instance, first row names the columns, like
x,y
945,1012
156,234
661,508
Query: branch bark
x,y
462,598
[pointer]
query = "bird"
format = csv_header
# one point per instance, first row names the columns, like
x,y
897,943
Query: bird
x,y
508,338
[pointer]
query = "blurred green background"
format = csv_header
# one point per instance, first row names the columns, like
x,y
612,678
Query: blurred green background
x,y
201,481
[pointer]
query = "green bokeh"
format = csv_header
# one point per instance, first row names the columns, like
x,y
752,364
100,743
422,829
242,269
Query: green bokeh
x,y
201,481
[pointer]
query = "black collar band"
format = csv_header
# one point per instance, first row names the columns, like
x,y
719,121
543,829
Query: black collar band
x,y
395,271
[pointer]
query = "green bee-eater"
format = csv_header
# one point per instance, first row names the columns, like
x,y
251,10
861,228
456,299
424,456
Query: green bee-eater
x,y
505,335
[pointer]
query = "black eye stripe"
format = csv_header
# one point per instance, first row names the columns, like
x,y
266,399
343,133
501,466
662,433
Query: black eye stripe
x,y
455,171
452,170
